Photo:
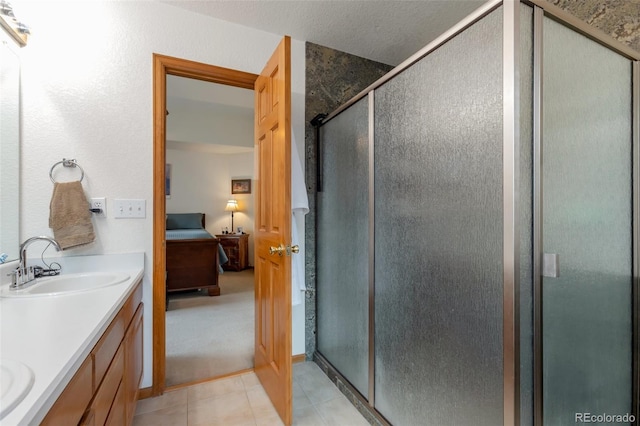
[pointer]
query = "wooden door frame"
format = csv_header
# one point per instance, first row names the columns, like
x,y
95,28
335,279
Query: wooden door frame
x,y
163,66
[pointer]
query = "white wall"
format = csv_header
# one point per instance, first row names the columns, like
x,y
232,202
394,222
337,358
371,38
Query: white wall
x,y
201,183
211,123
87,94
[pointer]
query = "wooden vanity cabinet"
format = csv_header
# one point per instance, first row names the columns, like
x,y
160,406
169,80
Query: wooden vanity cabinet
x,y
104,390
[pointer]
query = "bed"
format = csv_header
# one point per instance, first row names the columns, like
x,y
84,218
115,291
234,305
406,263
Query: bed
x,y
194,257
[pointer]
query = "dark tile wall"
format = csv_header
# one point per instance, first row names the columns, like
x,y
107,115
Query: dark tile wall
x,y
332,78
619,19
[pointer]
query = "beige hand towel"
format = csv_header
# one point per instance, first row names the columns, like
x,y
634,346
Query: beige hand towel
x,y
69,215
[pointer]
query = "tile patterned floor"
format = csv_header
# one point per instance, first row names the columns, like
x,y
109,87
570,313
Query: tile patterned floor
x,y
241,400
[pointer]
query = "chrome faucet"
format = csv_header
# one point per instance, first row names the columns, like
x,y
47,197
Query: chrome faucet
x,y
23,275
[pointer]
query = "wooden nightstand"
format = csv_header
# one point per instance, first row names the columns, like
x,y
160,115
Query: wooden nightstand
x,y
236,247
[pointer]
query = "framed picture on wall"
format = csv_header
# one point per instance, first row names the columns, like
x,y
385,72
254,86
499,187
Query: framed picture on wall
x,y
167,180
241,186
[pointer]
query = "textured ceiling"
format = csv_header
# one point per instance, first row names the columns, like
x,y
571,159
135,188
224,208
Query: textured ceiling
x,y
385,31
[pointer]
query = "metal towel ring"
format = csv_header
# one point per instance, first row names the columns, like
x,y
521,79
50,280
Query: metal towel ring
x,y
66,163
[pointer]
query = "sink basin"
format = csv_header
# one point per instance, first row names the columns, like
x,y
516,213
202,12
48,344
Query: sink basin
x,y
67,284
16,380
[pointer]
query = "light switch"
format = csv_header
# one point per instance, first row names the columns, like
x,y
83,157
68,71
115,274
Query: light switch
x,y
129,209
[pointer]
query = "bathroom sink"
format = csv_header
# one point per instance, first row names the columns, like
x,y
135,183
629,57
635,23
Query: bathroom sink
x,y
69,283
16,380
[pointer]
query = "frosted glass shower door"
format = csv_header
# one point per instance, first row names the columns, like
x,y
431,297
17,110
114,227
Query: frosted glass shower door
x,y
343,245
439,233
587,222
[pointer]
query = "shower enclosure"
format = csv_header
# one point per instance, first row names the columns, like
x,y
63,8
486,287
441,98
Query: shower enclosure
x,y
477,228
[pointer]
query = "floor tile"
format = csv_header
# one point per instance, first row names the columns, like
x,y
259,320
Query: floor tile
x,y
260,403
250,380
242,401
300,399
318,387
171,416
301,368
269,421
213,388
307,416
233,409
168,399
339,411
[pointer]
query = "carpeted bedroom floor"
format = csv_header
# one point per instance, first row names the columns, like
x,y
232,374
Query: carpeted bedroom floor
x,y
211,336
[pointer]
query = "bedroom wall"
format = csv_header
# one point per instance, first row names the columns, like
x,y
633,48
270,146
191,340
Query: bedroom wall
x,y
87,94
201,183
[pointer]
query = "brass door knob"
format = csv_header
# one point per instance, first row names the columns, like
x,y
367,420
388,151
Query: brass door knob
x,y
284,250
277,250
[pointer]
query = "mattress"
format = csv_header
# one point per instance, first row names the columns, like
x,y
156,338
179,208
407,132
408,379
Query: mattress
x,y
187,234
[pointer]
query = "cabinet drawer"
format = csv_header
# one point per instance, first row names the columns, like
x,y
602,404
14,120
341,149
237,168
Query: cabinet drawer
x,y
131,305
106,393
72,403
117,415
106,348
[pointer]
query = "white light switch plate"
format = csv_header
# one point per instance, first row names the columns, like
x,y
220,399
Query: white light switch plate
x,y
129,209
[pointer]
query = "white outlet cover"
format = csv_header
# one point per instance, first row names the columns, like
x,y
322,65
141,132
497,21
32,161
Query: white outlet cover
x,y
99,203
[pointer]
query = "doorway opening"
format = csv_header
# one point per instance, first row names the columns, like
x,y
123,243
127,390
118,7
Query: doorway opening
x,y
164,66
210,162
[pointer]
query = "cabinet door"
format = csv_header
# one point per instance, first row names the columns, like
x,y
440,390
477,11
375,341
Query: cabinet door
x,y
106,394
117,415
133,364
105,350
72,403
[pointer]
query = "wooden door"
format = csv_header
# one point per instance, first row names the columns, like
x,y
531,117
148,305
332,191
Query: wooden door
x,y
273,229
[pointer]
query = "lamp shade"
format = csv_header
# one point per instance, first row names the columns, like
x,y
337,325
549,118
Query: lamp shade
x,y
232,206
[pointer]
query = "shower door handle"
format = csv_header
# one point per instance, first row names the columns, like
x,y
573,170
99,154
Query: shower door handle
x,y
550,265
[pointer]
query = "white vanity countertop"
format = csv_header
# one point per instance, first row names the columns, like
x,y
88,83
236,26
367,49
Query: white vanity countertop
x,y
53,335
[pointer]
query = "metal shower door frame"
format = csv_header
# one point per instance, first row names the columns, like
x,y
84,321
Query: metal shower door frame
x,y
543,9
